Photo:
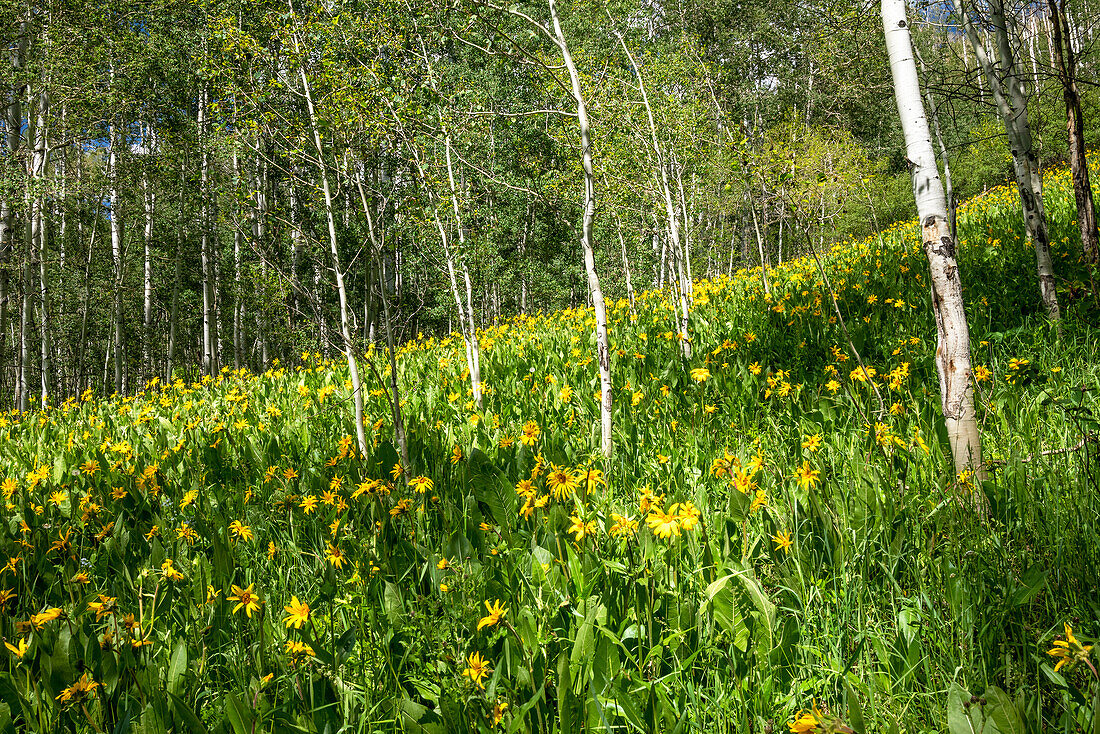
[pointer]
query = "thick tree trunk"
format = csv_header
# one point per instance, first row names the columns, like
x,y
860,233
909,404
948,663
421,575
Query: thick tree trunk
x,y
953,336
1065,64
948,189
603,351
1027,161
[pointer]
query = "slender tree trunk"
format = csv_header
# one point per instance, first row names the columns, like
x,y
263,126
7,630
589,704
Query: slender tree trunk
x,y
528,215
173,308
23,389
295,254
759,247
147,310
260,234
237,235
953,336
683,279
349,347
688,284
603,351
84,379
387,318
218,293
38,238
1065,64
395,388
626,265
205,254
115,142
473,349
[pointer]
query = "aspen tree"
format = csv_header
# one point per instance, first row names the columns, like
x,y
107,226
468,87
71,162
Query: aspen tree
x,y
341,292
603,351
953,336
1008,96
1065,64
683,274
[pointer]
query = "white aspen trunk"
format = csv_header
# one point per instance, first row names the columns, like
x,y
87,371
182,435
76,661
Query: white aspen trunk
x,y
473,349
22,396
114,142
626,265
147,312
61,282
173,309
685,216
782,220
670,209
759,245
263,207
237,235
83,379
204,244
949,191
218,293
1050,35
603,351
1025,158
37,209
1032,32
295,254
349,347
953,336
61,211
527,219
1012,106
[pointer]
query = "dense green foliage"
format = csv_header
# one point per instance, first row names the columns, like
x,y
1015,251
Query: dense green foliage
x,y
774,121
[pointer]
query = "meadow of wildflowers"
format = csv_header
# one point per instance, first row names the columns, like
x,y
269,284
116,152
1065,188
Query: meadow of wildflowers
x,y
778,540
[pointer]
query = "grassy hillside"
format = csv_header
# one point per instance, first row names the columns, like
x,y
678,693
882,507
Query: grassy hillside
x,y
778,529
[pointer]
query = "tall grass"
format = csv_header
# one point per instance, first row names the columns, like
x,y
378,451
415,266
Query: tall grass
x,y
775,530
